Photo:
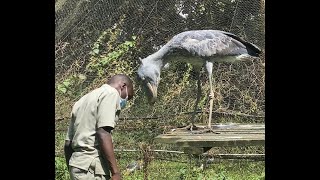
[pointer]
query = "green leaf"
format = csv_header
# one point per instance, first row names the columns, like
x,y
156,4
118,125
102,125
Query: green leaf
x,y
200,177
127,43
96,51
62,89
104,60
66,83
82,76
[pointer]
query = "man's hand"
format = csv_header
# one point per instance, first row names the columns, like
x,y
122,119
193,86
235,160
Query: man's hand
x,y
116,176
68,151
106,146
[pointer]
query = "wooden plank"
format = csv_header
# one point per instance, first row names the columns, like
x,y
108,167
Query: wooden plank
x,y
212,140
216,132
238,156
236,128
229,135
215,143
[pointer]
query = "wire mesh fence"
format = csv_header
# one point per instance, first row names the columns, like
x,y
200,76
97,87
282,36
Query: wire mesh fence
x,y
82,26
95,39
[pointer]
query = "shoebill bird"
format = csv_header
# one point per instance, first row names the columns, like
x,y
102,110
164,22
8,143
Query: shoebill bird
x,y
200,48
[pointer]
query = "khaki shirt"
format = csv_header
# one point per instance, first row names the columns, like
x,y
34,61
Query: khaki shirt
x,y
98,108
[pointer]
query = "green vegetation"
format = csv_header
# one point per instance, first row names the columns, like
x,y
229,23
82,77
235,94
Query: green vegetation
x,y
98,39
159,169
165,165
169,165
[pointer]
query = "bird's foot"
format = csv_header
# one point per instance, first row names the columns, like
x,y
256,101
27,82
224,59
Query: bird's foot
x,y
190,127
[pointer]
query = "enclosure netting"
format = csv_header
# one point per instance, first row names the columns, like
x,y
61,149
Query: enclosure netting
x,y
96,39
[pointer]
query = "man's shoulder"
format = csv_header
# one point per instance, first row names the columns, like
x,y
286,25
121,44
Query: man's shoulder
x,y
102,90
107,89
97,94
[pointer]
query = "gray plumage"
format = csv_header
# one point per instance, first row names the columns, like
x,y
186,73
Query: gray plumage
x,y
198,47
208,43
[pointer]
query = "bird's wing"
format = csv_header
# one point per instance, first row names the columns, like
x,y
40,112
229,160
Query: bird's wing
x,y
208,43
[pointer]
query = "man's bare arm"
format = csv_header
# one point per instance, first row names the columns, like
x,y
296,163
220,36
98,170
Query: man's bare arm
x,y
68,151
106,146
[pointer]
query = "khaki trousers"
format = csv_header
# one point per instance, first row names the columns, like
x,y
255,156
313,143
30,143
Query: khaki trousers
x,y
80,174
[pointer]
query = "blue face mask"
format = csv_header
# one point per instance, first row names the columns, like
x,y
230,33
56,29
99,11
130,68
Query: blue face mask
x,y
123,102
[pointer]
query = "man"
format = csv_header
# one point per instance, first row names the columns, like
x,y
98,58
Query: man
x,y
88,147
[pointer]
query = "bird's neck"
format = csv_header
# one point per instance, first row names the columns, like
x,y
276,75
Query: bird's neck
x,y
158,56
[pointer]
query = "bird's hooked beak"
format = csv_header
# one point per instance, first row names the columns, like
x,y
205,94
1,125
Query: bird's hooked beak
x,y
153,92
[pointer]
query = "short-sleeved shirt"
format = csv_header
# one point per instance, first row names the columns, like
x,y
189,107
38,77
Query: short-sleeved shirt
x,y
96,109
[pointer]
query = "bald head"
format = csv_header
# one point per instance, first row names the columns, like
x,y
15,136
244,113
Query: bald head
x,y
123,84
119,77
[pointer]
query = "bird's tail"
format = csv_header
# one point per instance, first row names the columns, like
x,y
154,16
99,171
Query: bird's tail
x,y
252,49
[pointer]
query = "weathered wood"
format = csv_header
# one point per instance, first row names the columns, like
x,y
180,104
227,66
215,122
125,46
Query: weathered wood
x,y
228,135
212,140
238,156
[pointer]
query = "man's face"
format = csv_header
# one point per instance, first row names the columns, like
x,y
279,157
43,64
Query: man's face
x,y
126,90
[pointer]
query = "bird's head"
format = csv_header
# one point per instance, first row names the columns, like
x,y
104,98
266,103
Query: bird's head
x,y
149,74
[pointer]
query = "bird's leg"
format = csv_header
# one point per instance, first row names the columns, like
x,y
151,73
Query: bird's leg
x,y
211,102
209,67
197,102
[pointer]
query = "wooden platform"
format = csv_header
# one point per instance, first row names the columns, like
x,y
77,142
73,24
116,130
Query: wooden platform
x,y
225,135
